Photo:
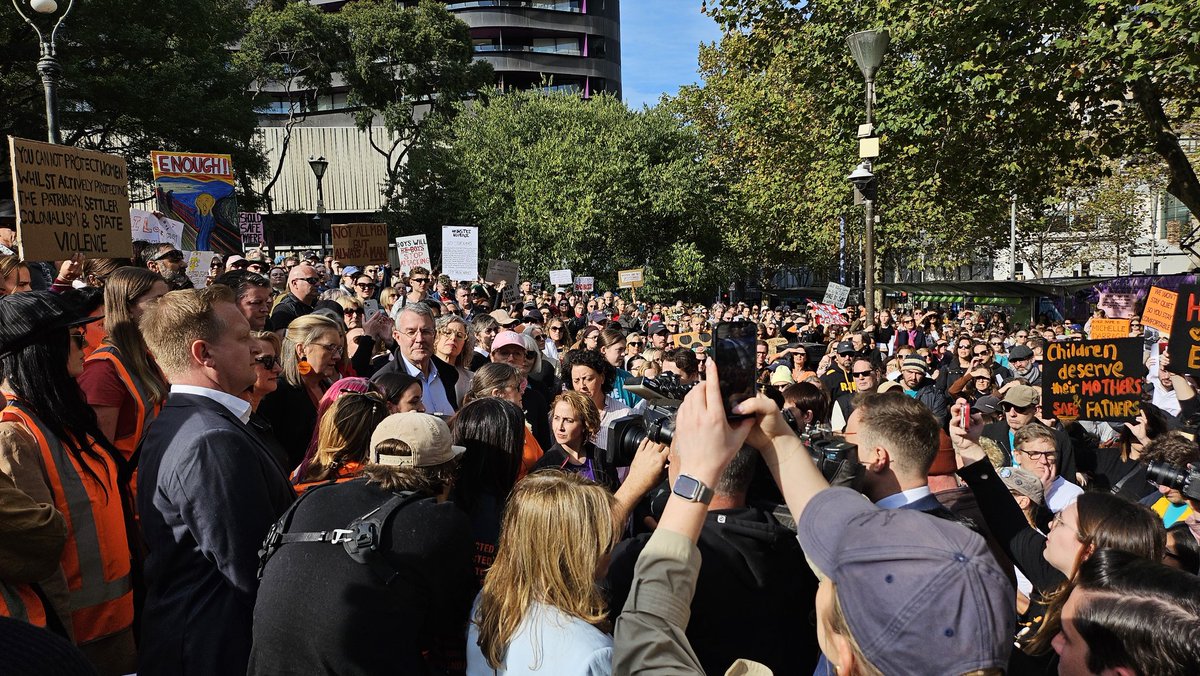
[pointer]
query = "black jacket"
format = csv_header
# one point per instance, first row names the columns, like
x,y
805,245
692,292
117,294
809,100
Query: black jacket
x,y
754,596
208,492
292,417
447,374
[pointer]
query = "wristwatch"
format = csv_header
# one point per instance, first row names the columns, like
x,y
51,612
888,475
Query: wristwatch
x,y
692,489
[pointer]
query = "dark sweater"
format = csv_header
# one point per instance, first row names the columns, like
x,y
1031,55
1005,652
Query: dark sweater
x,y
601,472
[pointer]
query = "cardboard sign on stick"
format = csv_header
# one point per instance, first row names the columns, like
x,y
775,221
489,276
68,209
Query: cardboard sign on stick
x,y
360,243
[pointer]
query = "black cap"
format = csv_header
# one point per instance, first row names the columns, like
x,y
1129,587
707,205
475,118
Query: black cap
x,y
656,327
846,347
26,318
1019,352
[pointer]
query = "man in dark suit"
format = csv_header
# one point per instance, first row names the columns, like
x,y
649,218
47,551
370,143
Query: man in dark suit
x,y
414,336
208,489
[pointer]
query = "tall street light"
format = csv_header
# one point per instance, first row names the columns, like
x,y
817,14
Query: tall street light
x,y
868,48
47,65
319,165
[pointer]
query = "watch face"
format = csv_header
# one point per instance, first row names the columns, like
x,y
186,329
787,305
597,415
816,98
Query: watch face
x,y
686,486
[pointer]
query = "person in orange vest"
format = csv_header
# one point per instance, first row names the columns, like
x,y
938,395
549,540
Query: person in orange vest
x,y
57,454
121,379
32,537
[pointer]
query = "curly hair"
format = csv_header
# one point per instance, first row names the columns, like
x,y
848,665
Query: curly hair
x,y
591,359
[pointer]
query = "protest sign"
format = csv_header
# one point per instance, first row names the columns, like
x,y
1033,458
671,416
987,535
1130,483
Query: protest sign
x,y
692,339
585,284
1159,310
1109,328
1117,305
561,277
197,190
774,345
631,279
1093,380
250,224
1184,348
460,252
836,295
827,314
69,201
198,265
506,271
144,226
411,252
359,243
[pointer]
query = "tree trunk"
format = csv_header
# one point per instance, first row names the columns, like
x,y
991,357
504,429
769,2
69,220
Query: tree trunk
x,y
1183,184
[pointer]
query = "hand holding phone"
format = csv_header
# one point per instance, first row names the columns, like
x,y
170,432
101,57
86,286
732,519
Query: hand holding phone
x,y
733,351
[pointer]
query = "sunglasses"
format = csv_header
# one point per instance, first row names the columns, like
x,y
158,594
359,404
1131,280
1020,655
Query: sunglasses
x,y
365,286
418,280
555,328
79,338
860,374
311,280
352,311
268,361
173,255
1013,407
635,343
981,354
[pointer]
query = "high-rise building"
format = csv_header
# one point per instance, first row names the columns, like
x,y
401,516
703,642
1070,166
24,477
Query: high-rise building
x,y
562,45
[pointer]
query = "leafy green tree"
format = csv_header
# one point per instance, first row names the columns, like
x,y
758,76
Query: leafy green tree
x,y
138,76
555,181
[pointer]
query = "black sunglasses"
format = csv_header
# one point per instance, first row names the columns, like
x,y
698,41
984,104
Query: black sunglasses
x,y
79,338
1013,407
173,254
268,361
311,280
365,286
418,280
860,374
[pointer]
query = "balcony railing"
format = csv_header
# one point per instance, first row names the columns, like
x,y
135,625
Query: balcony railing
x,y
575,6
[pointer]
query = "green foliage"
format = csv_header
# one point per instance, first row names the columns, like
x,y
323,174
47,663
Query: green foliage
x,y
555,181
137,76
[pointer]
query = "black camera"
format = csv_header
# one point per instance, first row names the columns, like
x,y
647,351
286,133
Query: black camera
x,y
656,422
836,458
1185,479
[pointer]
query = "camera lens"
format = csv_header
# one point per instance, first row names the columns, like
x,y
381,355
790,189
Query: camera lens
x,y
1166,474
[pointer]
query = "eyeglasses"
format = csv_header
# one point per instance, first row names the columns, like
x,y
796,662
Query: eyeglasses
x,y
365,287
80,339
412,333
635,343
1058,521
981,354
1049,455
555,328
352,311
861,374
451,333
964,346
311,280
1013,407
336,349
996,344
418,280
172,255
268,361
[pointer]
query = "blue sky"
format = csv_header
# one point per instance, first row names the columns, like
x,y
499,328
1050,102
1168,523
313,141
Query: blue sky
x,y
660,40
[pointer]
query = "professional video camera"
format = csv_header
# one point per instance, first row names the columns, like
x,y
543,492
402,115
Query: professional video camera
x,y
662,395
1185,479
835,457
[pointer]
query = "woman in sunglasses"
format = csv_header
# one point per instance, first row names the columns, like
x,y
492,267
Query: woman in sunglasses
x,y
267,369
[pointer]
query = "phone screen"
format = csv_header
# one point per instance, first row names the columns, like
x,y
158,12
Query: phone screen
x,y
733,347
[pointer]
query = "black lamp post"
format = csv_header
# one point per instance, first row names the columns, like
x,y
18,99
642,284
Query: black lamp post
x,y
47,65
319,165
868,48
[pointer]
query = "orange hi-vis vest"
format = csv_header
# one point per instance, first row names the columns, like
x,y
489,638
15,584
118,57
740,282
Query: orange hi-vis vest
x,y
20,602
141,398
96,558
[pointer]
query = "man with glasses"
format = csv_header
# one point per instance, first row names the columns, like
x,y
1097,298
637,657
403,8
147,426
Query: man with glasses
x,y
414,334
866,379
169,263
1036,452
837,380
349,274
303,285
1021,405
419,282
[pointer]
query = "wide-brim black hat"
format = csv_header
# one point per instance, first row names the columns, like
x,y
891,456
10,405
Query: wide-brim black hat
x,y
29,317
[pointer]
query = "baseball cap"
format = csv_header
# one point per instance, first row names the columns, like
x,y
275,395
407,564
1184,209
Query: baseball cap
x,y
1020,395
427,435
1022,481
987,404
506,338
351,270
914,364
921,595
888,386
656,327
503,318
234,260
597,317
1019,352
846,347
26,318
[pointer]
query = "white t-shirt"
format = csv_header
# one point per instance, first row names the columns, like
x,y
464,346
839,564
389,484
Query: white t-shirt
x,y
548,642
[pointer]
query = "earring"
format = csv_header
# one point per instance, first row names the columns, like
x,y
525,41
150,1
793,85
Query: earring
x,y
304,367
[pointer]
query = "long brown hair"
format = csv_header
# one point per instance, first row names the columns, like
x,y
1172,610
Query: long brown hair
x,y
121,292
345,431
556,530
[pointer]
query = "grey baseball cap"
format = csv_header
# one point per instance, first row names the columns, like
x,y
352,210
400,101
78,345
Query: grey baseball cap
x,y
921,595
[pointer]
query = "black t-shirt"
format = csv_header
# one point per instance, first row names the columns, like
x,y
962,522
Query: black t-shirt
x,y
288,309
319,610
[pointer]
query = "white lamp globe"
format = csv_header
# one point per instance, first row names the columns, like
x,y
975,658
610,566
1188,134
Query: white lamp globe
x,y
43,6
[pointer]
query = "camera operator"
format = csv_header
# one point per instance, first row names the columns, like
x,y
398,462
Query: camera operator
x,y
1175,449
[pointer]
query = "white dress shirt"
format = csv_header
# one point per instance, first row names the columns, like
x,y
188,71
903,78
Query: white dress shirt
x,y
237,406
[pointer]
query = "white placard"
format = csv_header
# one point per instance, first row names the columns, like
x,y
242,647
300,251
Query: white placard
x,y
146,227
585,284
836,295
460,252
198,265
412,251
561,278
172,231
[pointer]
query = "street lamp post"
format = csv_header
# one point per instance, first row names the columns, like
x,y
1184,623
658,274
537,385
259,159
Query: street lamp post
x,y
48,66
319,165
868,48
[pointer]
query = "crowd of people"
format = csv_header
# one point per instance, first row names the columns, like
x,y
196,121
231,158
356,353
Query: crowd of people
x,y
305,467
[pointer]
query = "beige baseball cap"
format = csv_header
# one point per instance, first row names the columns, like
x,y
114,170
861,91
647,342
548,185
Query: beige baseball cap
x,y
427,435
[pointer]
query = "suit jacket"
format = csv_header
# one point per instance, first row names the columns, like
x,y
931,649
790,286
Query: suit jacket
x,y
208,492
447,374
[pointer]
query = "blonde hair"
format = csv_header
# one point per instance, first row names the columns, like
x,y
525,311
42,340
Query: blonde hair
x,y
302,331
585,410
557,528
270,337
121,292
179,319
344,434
349,302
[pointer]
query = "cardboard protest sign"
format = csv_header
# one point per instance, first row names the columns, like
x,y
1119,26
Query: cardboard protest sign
x,y
199,263
1117,305
774,345
506,271
359,243
412,251
836,295
561,278
1184,347
460,252
1159,310
585,284
197,189
631,279
250,223
692,339
69,201
1109,328
1093,380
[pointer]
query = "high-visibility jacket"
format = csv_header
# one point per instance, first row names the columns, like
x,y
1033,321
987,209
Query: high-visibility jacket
x,y
20,602
96,558
145,412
